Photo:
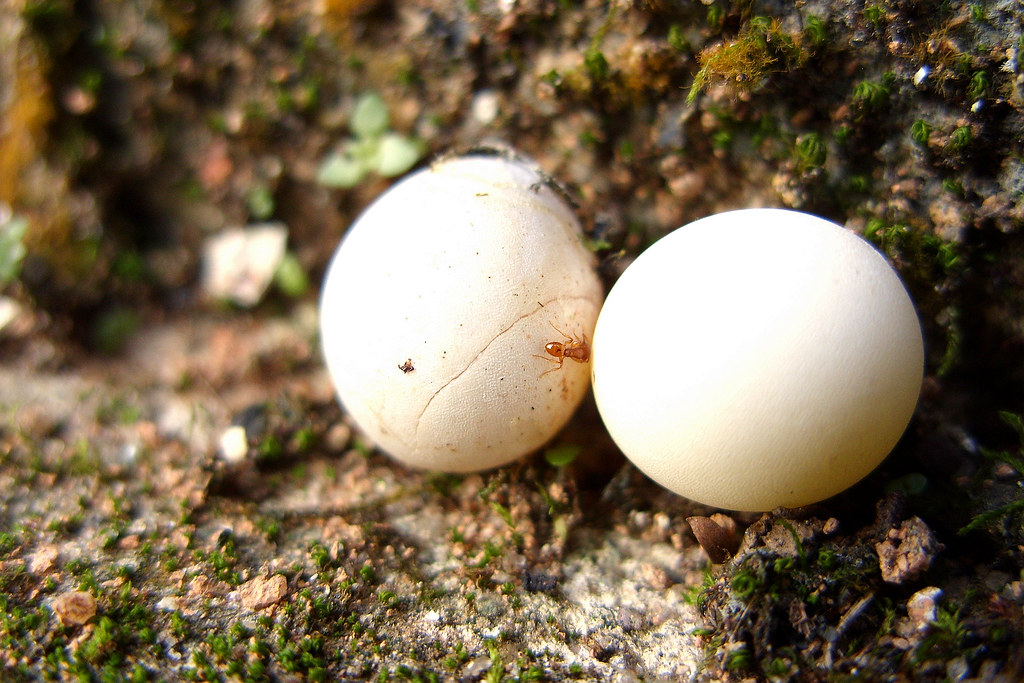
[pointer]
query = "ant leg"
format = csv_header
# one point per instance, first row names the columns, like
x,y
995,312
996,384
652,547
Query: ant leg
x,y
559,331
557,361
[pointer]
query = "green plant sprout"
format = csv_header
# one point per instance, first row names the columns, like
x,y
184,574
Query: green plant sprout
x,y
919,132
560,456
960,138
371,149
290,277
810,152
1015,460
12,246
871,95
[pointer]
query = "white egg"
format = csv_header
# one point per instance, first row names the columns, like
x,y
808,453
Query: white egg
x,y
756,359
437,307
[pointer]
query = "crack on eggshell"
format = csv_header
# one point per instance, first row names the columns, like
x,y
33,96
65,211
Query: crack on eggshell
x,y
540,307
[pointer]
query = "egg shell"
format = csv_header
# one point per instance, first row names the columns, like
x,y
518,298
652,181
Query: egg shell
x,y
757,358
437,307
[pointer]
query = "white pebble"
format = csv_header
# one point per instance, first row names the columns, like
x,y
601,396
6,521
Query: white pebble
x,y
239,263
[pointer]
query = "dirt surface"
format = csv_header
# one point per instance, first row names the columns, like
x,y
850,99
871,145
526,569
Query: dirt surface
x,y
182,497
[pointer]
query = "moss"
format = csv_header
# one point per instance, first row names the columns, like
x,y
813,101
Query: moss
x,y
760,594
979,85
1005,520
675,38
960,139
815,31
320,555
743,63
871,95
596,65
920,131
875,15
810,152
715,16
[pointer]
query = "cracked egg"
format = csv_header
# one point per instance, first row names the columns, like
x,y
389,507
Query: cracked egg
x,y
441,305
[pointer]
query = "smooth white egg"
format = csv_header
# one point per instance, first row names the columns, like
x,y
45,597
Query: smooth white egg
x,y
757,358
437,307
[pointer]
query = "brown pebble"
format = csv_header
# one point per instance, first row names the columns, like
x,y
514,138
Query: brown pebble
x,y
263,591
907,551
44,560
74,608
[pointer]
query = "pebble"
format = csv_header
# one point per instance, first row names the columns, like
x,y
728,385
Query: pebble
x,y
907,551
263,591
10,311
485,107
922,75
74,608
233,444
239,263
44,560
922,608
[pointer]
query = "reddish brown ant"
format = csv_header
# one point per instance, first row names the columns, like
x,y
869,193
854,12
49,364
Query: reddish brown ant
x,y
572,347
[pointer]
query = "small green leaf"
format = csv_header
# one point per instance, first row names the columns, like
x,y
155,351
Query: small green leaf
x,y
396,154
260,202
370,116
559,456
290,277
1015,422
341,169
12,248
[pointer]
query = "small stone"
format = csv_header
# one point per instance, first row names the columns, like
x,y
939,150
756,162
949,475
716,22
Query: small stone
x,y
44,560
263,592
654,576
74,608
538,581
632,619
130,542
957,669
922,75
169,603
239,263
206,587
486,106
233,444
338,436
921,609
476,667
10,312
907,552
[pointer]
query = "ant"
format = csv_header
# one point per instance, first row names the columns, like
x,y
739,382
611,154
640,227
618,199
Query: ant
x,y
577,349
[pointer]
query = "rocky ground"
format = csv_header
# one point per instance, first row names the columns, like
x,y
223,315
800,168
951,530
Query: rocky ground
x,y
138,540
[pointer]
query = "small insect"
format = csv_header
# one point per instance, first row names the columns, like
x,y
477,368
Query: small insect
x,y
573,347
406,367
